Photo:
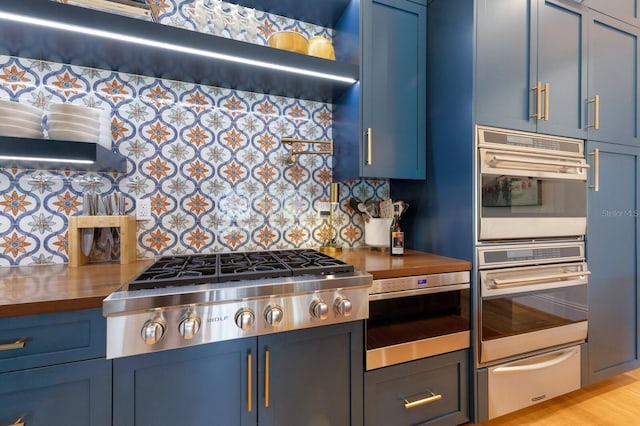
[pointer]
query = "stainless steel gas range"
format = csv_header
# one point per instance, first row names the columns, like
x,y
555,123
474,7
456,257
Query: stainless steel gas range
x,y
194,299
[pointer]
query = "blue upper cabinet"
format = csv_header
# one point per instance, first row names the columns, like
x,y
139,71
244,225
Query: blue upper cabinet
x,y
625,10
380,126
530,66
613,104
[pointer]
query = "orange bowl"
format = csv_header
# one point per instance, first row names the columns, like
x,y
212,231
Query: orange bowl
x,y
289,40
321,47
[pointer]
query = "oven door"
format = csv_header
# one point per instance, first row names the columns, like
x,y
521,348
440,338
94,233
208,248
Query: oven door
x,y
527,309
525,194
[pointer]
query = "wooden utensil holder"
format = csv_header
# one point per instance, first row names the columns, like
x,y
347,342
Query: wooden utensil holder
x,y
127,225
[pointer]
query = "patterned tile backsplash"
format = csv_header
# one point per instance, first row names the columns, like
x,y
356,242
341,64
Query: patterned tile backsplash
x,y
210,161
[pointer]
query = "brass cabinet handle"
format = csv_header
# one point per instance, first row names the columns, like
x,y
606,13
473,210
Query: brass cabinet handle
x,y
249,382
596,169
547,92
18,344
18,422
596,112
422,401
266,377
369,146
538,88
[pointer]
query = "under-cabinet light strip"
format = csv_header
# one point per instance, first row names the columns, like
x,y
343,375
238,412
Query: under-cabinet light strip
x,y
45,159
167,46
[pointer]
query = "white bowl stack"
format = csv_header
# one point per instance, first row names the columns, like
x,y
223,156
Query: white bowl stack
x,y
69,122
20,120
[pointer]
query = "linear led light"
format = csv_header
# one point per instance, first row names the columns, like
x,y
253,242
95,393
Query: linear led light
x,y
167,46
45,159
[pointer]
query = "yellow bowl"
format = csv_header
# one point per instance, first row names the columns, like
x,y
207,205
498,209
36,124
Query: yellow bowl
x,y
321,47
289,40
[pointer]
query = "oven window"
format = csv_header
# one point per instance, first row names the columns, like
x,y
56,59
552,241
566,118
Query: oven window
x,y
412,318
518,196
521,313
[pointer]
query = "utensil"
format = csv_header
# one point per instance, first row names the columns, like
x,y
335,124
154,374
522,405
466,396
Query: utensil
x,y
386,208
363,209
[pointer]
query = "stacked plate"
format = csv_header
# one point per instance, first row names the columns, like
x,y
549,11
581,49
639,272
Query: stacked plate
x,y
73,123
20,120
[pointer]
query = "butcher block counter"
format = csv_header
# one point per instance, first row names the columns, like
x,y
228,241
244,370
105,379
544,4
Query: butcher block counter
x,y
381,265
29,290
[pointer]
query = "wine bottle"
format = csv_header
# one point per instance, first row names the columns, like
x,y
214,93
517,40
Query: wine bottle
x,y
397,235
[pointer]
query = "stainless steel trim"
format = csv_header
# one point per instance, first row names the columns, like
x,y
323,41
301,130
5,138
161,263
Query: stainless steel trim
x,y
396,354
419,282
124,301
542,162
504,228
521,366
495,349
408,293
529,164
540,279
534,143
483,251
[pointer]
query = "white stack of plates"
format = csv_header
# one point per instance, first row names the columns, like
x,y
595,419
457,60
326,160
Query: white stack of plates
x,y
69,122
20,120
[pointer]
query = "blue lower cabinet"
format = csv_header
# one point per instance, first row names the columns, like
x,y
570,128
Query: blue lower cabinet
x,y
73,394
199,385
429,391
305,377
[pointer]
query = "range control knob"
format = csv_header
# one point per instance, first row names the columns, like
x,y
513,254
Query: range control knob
x,y
319,309
244,318
343,306
152,331
273,315
189,326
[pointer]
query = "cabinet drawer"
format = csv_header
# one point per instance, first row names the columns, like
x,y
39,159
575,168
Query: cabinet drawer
x,y
76,394
429,391
38,340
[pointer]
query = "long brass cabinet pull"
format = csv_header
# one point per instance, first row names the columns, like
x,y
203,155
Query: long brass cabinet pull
x,y
266,377
422,401
369,146
538,89
547,93
596,169
249,382
596,112
18,344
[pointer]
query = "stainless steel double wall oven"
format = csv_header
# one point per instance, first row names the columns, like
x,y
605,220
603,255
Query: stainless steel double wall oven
x,y
532,276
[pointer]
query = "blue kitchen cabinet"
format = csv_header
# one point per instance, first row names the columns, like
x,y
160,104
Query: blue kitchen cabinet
x,y
300,377
530,66
379,126
613,105
613,257
74,394
624,10
53,370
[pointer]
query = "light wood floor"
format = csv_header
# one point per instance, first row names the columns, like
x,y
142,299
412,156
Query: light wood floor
x,y
612,402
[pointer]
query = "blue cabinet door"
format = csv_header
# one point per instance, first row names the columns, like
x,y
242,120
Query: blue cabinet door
x,y
503,64
199,385
393,89
73,394
613,78
312,376
613,258
560,34
530,57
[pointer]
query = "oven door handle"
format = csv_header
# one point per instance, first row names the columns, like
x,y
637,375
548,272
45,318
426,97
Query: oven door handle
x,y
543,162
518,367
540,279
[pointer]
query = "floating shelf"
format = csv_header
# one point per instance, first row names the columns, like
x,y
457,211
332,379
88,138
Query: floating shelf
x,y
194,63
37,154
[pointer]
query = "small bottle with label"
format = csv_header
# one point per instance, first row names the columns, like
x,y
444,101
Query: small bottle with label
x,y
397,235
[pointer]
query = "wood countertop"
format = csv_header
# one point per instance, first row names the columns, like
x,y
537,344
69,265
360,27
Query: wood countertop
x,y
30,290
382,265
39,289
